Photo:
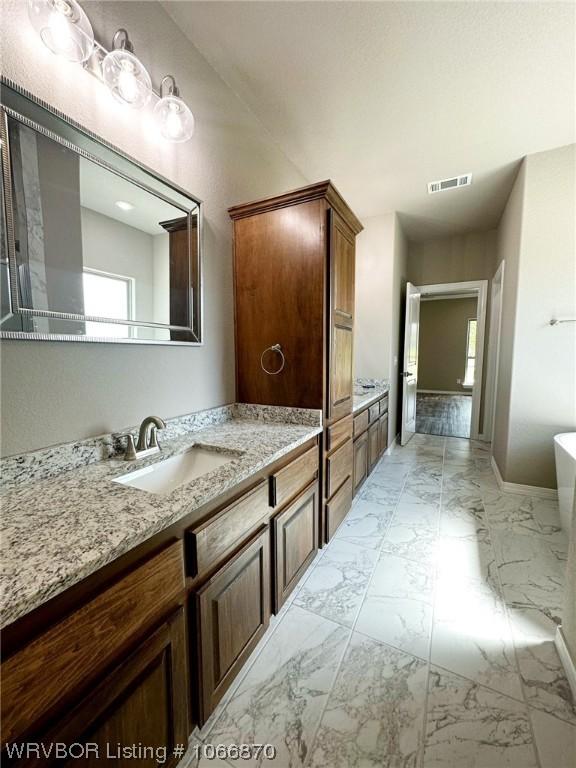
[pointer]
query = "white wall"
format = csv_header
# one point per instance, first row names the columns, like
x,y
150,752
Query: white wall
x,y
537,378
55,392
380,280
111,246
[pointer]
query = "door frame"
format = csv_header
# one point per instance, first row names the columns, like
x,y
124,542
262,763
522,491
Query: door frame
x,y
478,288
493,353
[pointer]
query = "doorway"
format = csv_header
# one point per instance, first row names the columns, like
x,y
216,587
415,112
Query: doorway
x,y
445,338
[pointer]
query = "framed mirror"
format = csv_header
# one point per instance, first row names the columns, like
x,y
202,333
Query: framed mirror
x,y
94,246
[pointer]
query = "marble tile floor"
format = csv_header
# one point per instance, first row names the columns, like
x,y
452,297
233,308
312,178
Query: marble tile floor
x,y
422,635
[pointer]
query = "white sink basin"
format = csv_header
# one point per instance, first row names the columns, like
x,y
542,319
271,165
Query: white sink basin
x,y
169,474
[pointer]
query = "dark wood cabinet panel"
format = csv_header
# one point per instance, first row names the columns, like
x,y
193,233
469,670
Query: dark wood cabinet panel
x,y
341,376
338,468
143,701
374,412
209,542
383,433
289,480
47,672
342,265
337,508
338,433
279,261
295,542
232,612
373,445
360,461
361,423
384,404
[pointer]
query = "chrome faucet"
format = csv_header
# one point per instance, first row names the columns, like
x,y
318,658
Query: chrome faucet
x,y
147,443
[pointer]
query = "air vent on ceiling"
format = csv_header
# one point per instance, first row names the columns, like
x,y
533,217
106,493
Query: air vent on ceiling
x,y
454,183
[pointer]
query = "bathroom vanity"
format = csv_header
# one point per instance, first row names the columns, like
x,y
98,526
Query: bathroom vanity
x,y
370,430
128,613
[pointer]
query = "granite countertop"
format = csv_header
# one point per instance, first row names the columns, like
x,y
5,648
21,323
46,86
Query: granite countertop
x,y
364,398
58,530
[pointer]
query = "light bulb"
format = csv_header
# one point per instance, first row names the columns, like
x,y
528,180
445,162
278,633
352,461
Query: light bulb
x,y
63,27
125,75
174,119
127,85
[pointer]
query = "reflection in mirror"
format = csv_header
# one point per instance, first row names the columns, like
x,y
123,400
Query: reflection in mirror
x,y
95,254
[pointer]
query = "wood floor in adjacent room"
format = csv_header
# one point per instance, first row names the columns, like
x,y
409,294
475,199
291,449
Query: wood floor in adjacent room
x,y
446,415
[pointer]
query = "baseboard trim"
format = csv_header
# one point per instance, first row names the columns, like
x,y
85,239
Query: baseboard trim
x,y
568,662
444,392
393,445
523,490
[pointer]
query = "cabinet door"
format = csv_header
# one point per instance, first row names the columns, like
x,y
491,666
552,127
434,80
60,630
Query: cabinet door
x,y
232,614
342,259
373,445
295,542
383,433
360,461
143,701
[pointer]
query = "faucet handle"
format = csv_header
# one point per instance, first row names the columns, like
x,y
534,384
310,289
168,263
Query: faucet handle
x,y
130,454
153,441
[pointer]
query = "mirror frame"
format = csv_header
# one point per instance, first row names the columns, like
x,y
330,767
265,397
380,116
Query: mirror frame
x,y
22,106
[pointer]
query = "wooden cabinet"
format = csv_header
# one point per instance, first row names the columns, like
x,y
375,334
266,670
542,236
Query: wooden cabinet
x,y
382,434
337,507
294,258
360,461
44,677
295,537
342,260
373,445
232,612
143,701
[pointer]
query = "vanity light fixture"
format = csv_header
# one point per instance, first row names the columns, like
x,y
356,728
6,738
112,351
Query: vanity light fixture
x,y
63,27
124,74
174,118
124,206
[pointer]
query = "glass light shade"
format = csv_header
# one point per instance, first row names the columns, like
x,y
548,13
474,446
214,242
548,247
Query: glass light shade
x,y
63,27
127,78
174,119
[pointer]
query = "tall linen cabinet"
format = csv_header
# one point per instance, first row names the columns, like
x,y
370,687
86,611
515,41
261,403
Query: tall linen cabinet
x,y
294,258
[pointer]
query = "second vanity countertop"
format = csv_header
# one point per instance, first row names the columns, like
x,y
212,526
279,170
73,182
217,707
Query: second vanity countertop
x,y
59,530
367,397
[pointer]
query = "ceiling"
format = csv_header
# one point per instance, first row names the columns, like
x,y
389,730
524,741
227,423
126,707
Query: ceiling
x,y
383,97
100,190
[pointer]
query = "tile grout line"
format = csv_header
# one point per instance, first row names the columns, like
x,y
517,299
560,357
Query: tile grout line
x,y
347,646
509,625
435,586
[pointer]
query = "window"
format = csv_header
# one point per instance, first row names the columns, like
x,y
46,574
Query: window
x,y
108,295
470,353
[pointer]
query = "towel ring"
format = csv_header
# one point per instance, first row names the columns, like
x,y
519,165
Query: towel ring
x,y
273,348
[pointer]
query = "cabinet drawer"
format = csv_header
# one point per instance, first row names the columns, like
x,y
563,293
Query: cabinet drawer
x,y
338,468
383,433
232,614
374,412
208,542
361,423
373,445
337,508
384,405
360,461
70,654
292,479
295,542
338,433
